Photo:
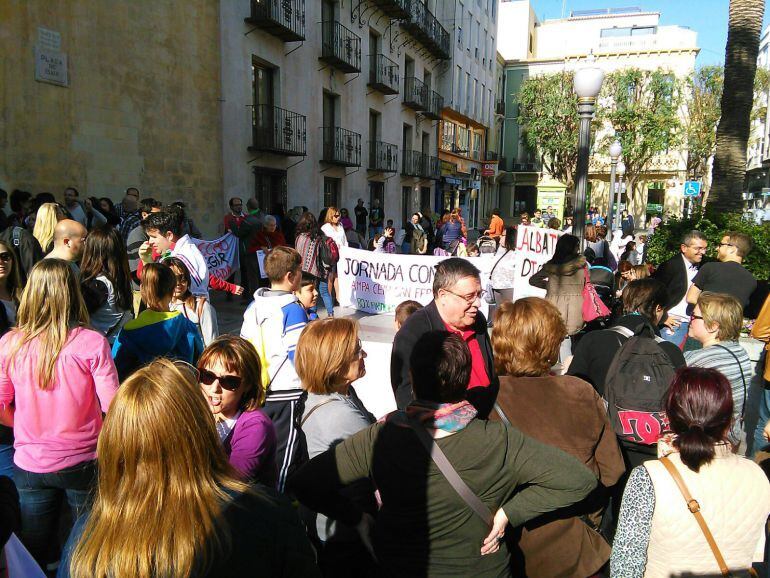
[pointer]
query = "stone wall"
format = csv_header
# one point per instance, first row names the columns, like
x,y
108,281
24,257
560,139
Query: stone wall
x,y
141,107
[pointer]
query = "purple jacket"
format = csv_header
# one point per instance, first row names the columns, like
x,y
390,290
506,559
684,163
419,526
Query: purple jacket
x,y
250,448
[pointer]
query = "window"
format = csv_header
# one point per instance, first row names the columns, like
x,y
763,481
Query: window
x,y
331,192
469,36
269,188
377,191
483,112
468,94
406,205
457,99
329,109
477,30
643,30
476,100
462,140
262,84
614,32
447,135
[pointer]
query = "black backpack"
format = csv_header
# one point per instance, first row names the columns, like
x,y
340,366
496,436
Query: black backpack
x,y
328,253
636,384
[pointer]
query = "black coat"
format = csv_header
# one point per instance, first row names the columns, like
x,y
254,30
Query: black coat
x,y
673,275
421,322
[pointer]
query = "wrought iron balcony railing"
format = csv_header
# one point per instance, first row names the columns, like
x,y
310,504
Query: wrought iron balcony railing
x,y
383,157
341,147
278,131
411,164
383,74
431,167
340,47
398,9
500,107
424,26
415,94
282,18
435,104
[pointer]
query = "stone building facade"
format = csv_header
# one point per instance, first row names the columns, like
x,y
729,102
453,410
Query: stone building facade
x,y
106,95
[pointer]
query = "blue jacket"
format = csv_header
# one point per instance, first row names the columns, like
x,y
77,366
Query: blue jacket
x,y
155,334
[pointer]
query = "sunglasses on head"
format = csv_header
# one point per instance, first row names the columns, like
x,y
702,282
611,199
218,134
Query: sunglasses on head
x,y
6,257
228,382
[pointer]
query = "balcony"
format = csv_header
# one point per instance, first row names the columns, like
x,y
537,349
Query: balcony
x,y
531,167
383,74
340,47
383,157
411,164
341,147
282,18
492,156
415,94
424,26
500,107
431,167
278,131
435,105
398,9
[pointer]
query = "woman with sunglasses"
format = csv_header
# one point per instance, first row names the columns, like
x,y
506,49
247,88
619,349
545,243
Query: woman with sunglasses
x,y
229,375
199,312
329,358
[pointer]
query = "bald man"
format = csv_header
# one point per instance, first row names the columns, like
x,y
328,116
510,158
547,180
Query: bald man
x,y
68,238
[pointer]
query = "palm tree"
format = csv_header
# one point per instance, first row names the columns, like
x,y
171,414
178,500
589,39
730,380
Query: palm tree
x,y
729,172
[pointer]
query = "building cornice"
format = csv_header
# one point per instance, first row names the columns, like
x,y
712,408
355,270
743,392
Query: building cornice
x,y
600,55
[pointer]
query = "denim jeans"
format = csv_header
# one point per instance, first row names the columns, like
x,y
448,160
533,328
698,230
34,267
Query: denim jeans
x,y
679,335
760,442
323,291
41,496
6,460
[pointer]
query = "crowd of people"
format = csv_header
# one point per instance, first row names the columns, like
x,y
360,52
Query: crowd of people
x,y
553,445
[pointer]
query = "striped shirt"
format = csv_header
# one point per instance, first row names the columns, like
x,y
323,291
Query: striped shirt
x,y
716,357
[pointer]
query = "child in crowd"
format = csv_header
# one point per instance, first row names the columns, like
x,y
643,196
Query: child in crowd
x,y
472,250
157,331
273,323
199,312
404,310
307,295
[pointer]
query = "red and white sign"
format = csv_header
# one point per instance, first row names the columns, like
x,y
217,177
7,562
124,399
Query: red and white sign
x,y
534,247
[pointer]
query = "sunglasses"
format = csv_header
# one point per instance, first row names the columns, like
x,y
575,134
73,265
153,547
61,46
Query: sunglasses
x,y
6,257
696,317
228,382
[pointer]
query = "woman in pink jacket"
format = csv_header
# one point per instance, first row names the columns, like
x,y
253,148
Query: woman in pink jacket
x,y
57,378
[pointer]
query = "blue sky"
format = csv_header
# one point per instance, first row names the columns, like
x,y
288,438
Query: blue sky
x,y
707,17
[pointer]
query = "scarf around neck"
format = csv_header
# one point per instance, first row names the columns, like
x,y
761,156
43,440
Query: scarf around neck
x,y
449,417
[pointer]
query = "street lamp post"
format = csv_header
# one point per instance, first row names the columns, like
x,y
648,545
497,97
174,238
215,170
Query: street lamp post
x,y
615,150
621,173
587,84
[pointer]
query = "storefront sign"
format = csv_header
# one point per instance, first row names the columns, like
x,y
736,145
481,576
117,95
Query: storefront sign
x,y
447,168
488,169
534,247
378,282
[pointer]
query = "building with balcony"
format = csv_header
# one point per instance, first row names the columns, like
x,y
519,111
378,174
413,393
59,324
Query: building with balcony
x,y
618,38
322,102
467,86
758,153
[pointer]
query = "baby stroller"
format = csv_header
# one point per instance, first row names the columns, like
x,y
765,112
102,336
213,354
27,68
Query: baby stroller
x,y
487,245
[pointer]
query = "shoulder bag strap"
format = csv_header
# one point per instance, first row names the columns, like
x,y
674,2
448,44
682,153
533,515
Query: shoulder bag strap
x,y
743,376
454,479
312,409
694,507
503,417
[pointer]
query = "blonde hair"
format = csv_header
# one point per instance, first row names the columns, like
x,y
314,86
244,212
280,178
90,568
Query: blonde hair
x,y
163,478
526,337
330,212
51,306
324,353
45,223
723,310
640,271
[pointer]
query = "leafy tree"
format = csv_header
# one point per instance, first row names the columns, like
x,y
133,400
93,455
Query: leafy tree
x,y
549,117
734,129
703,90
642,108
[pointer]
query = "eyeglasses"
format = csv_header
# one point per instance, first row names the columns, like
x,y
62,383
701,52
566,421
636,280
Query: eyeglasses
x,y
5,257
696,317
469,299
228,382
337,216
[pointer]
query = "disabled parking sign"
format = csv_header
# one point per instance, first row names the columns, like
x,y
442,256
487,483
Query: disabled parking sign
x,y
692,189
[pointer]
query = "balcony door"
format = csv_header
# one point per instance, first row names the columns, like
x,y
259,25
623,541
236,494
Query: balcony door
x,y
374,136
265,131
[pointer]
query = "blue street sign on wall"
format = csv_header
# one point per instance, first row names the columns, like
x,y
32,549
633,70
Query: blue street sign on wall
x,y
691,189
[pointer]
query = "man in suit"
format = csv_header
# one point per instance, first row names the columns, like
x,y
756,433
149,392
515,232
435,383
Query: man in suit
x,y
677,274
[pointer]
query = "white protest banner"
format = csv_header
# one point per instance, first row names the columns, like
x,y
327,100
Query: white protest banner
x,y
221,255
534,247
378,282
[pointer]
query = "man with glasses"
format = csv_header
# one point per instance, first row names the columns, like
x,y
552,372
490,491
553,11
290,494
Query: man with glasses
x,y
457,295
677,275
727,275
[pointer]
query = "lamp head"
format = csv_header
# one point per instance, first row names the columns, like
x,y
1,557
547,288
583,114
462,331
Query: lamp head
x,y
621,170
588,80
615,150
